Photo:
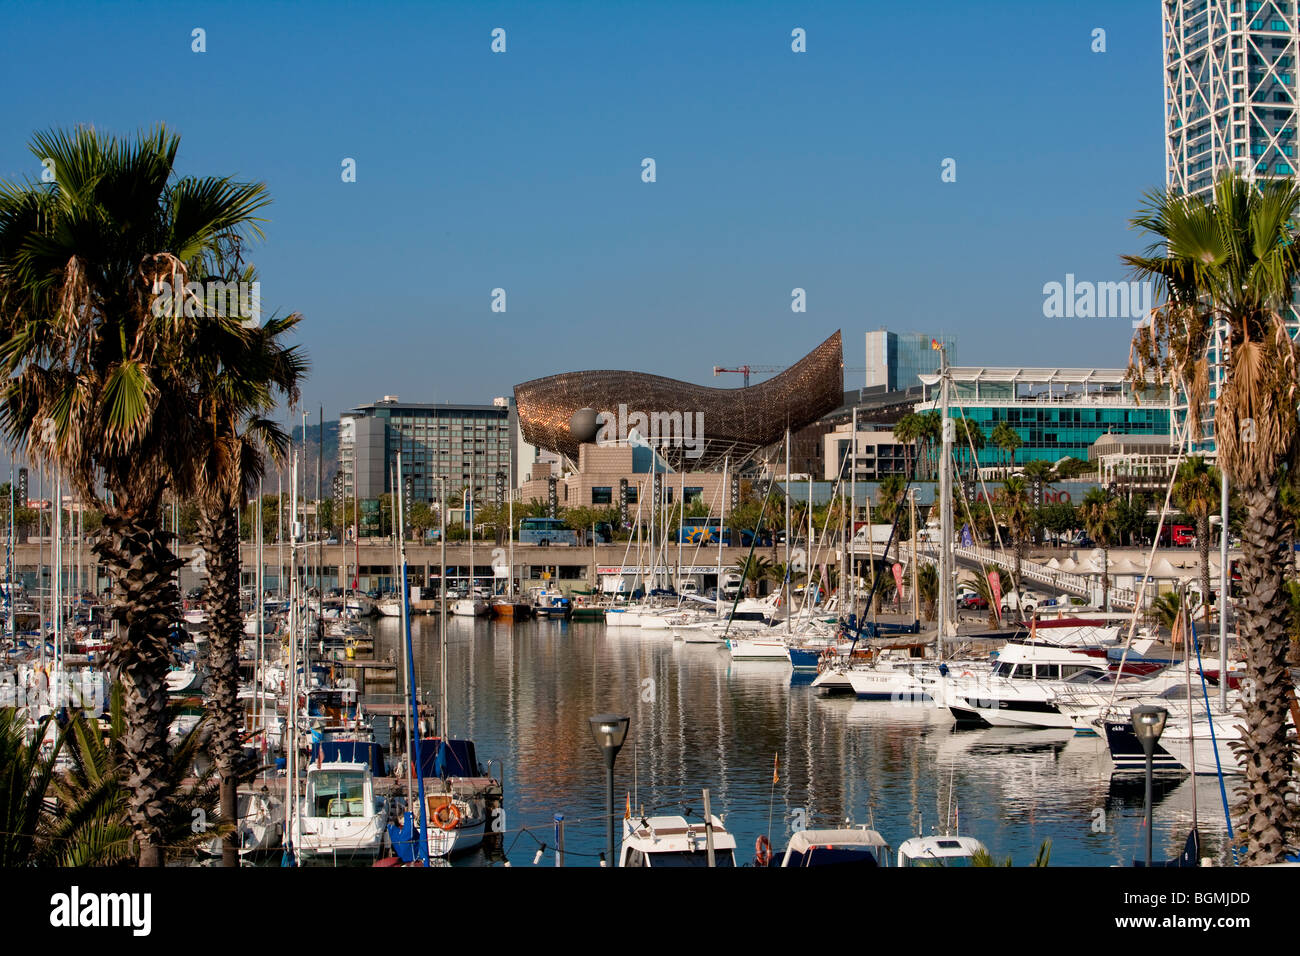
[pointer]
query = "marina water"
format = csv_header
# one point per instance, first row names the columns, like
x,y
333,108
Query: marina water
x,y
523,693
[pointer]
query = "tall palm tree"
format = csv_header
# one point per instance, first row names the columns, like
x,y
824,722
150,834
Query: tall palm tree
x,y
96,382
1231,260
927,585
1007,439
909,432
1097,511
1018,514
1197,490
930,434
889,497
238,371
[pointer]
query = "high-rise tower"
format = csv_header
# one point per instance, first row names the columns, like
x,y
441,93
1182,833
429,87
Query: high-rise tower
x,y
1230,103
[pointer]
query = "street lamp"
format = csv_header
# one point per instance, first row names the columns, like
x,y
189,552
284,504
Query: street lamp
x,y
609,731
1148,724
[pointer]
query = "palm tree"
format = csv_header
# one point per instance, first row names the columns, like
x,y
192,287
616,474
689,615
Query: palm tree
x,y
1197,490
929,432
909,431
237,371
1097,511
889,497
927,585
984,588
1007,439
1019,516
26,773
97,384
1166,607
1231,260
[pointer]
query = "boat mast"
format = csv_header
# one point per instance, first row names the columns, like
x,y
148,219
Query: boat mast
x,y
510,507
469,516
945,504
853,513
916,594
259,683
414,763
442,612
722,511
295,810
789,576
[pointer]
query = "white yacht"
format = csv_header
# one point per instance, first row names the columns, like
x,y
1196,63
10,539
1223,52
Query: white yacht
x,y
855,846
341,816
261,823
1022,689
946,850
671,841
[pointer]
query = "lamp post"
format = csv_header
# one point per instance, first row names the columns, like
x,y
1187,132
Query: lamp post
x,y
609,732
1148,724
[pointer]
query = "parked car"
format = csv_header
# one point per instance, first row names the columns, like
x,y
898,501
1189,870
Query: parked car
x,y
971,601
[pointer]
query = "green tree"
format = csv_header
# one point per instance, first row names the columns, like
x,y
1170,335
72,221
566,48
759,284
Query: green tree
x,y
97,381
1197,490
1098,514
1008,440
1019,516
1232,260
238,371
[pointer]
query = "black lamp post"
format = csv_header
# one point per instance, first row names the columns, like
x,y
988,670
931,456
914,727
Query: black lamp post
x,y
609,731
1148,724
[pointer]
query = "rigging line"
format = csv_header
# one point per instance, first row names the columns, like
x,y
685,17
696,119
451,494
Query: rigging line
x,y
876,578
1209,719
1140,595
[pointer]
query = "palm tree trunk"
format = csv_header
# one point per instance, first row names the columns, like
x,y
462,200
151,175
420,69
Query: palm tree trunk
x,y
219,536
1267,818
145,603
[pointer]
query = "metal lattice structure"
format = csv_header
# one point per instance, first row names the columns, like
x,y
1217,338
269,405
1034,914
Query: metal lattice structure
x,y
1230,90
736,422
1231,102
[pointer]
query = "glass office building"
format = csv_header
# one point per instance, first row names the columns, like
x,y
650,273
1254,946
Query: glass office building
x,y
1056,412
896,359
464,444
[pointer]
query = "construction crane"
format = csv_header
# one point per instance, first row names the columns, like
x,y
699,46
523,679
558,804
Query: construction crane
x,y
746,369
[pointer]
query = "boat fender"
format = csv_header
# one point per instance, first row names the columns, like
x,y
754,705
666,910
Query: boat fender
x,y
762,851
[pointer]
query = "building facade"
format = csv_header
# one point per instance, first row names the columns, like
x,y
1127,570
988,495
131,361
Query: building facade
x,y
1230,103
878,454
466,445
1056,412
895,359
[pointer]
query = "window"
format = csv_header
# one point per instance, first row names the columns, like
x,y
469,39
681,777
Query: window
x,y
603,495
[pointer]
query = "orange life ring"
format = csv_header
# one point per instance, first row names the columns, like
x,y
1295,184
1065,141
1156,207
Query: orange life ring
x,y
762,851
447,816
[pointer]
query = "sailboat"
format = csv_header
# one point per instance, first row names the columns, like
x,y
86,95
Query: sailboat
x,y
445,772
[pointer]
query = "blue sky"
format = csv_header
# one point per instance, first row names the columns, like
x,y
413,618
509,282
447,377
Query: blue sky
x,y
522,171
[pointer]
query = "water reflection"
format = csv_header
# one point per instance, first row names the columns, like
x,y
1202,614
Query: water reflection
x,y
523,693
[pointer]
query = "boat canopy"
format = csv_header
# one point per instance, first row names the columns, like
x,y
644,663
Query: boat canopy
x,y
853,847
448,758
351,751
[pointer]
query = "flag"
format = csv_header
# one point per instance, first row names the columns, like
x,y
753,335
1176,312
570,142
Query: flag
x,y
775,779
934,344
627,814
967,540
898,582
995,585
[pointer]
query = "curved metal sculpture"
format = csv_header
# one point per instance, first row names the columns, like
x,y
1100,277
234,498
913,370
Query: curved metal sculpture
x,y
734,422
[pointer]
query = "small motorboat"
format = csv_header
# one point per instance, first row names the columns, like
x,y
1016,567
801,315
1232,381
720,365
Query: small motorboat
x,y
670,841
